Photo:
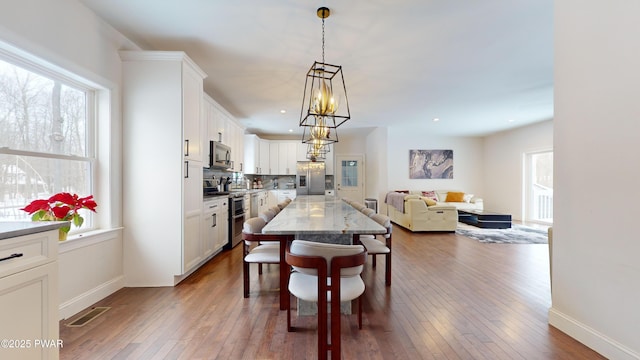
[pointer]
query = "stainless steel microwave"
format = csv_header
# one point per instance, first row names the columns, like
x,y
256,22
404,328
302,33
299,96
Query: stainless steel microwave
x,y
219,155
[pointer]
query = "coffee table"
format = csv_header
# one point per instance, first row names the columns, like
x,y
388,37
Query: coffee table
x,y
485,219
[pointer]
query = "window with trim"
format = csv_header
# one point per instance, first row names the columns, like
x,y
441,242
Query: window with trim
x,y
46,136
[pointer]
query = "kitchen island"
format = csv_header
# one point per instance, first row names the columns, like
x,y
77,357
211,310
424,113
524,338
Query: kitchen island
x,y
318,218
29,289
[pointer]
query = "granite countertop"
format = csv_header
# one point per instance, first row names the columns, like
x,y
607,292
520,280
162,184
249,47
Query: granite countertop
x,y
321,214
11,229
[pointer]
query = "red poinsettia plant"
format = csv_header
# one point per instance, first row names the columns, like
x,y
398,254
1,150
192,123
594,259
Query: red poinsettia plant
x,y
60,207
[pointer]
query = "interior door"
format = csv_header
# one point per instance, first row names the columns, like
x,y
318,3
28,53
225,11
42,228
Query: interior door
x,y
350,177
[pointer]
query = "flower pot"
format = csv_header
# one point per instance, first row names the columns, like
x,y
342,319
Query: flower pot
x,y
62,235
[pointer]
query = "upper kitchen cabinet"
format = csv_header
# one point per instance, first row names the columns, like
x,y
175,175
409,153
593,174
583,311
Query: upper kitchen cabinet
x,y
162,96
220,126
256,155
287,157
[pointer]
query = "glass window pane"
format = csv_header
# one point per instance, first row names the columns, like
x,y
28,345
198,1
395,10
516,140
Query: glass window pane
x,y
24,179
40,114
349,172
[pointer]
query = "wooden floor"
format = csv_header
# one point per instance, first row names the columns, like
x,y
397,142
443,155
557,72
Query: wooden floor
x,y
451,298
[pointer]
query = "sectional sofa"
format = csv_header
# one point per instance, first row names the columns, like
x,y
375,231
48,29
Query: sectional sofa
x,y
432,210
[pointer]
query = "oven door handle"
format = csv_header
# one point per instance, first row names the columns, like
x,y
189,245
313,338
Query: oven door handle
x,y
237,216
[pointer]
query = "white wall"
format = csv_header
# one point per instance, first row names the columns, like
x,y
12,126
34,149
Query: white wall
x,y
376,170
468,169
503,165
596,266
66,34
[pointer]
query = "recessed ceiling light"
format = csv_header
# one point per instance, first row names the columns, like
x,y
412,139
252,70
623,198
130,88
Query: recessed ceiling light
x,y
511,120
283,111
436,119
290,130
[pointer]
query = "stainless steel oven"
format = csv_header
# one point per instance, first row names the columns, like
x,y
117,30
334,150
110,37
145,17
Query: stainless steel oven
x,y
236,219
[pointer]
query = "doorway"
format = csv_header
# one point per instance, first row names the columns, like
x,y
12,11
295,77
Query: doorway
x,y
538,185
350,177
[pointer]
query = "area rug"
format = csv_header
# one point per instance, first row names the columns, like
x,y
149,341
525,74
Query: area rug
x,y
517,234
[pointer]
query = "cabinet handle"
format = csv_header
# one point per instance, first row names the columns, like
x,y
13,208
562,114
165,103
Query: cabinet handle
x,y
12,256
186,147
215,220
186,169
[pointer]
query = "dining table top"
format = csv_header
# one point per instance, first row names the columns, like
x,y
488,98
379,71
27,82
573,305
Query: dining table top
x,y
321,214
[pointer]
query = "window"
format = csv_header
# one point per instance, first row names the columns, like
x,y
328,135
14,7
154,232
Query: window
x,y
349,170
46,142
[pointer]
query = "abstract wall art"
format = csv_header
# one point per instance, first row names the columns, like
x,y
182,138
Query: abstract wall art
x,y
430,164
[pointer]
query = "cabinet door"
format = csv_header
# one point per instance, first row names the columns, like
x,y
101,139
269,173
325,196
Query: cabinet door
x,y
192,238
191,110
288,156
240,149
29,312
210,228
251,154
264,154
274,158
223,225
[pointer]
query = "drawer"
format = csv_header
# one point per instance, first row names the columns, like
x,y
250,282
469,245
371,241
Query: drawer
x,y
33,250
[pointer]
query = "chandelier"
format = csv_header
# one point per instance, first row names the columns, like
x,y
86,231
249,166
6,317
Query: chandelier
x,y
322,111
317,151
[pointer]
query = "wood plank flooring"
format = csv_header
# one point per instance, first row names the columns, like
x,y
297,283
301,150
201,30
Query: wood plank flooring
x,y
451,298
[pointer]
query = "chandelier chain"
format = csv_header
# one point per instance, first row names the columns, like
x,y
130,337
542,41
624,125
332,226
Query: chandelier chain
x,y
323,40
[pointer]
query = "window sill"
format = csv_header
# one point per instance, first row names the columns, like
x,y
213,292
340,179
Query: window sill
x,y
88,238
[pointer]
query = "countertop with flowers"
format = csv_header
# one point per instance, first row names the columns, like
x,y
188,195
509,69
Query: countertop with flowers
x,y
11,229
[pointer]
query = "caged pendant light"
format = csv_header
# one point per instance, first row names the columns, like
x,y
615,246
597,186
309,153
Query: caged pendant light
x,y
322,111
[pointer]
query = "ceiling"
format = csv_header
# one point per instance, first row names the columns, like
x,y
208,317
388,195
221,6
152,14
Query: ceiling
x,y
478,66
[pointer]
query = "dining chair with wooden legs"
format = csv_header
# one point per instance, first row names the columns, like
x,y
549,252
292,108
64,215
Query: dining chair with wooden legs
x,y
326,273
376,247
257,248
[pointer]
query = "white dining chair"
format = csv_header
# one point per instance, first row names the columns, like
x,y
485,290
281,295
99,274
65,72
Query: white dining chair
x,y
376,247
256,249
326,273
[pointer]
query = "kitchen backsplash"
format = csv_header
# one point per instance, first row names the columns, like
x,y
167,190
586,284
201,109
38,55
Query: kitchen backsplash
x,y
239,180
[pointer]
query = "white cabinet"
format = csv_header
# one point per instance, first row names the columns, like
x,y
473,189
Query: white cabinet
x,y
223,224
215,225
272,198
256,155
29,296
263,198
237,148
274,158
192,248
161,99
219,125
191,113
264,155
252,154
287,158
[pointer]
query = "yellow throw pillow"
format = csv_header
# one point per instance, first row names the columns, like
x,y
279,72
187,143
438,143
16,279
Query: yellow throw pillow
x,y
429,201
453,196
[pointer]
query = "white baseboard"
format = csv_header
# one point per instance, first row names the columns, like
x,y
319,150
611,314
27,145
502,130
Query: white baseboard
x,y
600,343
88,298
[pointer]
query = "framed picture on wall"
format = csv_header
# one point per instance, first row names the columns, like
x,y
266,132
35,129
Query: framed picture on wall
x,y
430,164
